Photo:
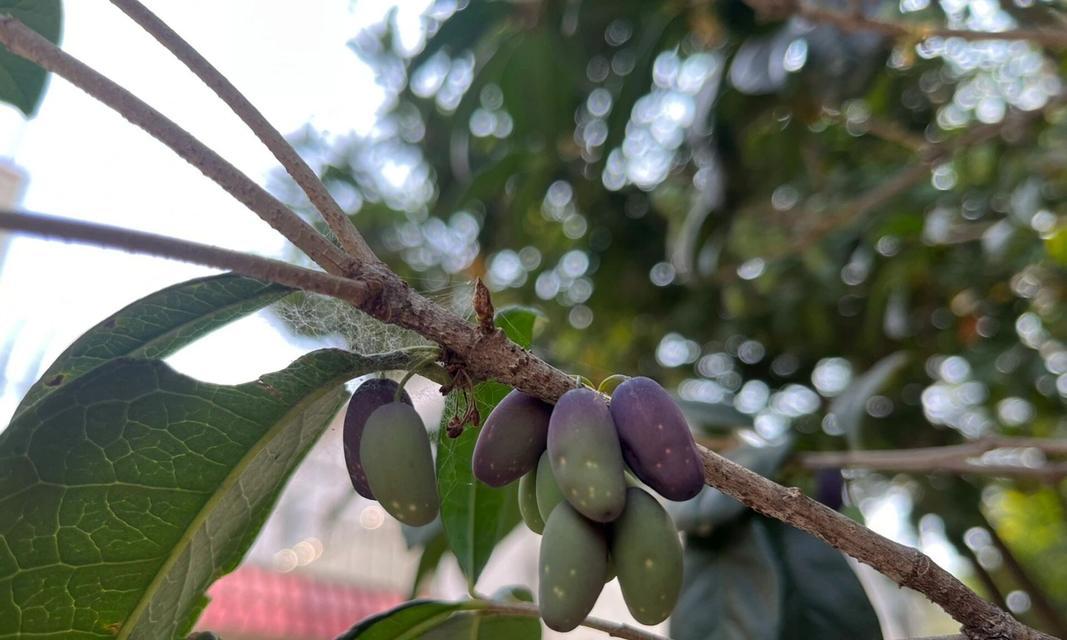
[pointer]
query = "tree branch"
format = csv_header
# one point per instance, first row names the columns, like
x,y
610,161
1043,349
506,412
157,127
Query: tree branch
x,y
24,42
352,291
347,234
858,21
956,459
613,629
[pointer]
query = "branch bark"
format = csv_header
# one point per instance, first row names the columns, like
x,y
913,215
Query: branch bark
x,y
347,234
24,42
956,459
495,357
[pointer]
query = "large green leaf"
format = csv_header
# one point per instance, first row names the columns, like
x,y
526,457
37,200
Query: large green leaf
x,y
731,589
476,516
126,492
156,326
823,597
435,620
21,81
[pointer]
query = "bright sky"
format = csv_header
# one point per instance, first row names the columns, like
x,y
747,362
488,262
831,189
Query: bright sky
x,y
84,161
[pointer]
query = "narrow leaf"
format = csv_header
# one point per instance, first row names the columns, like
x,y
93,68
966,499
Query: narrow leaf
x,y
21,81
156,326
126,492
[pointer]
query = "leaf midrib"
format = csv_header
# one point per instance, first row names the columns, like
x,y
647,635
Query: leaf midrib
x,y
130,623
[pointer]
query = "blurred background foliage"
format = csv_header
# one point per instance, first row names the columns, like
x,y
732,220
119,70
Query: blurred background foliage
x,y
847,240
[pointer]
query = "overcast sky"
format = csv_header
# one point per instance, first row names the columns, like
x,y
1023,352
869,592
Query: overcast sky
x,y
84,161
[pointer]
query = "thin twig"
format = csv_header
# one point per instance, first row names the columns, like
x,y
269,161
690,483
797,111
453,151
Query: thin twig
x,y
855,20
519,368
613,629
353,291
23,41
955,459
347,234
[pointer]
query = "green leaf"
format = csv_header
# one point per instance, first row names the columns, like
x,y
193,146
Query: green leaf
x,y
462,30
823,596
21,81
127,491
476,516
731,589
519,324
402,622
156,326
434,620
431,555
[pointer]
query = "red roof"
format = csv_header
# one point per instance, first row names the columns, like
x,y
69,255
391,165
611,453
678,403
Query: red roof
x,y
255,602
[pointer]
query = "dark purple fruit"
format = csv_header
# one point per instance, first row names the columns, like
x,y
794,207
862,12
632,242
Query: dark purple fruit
x,y
583,449
655,438
511,440
368,397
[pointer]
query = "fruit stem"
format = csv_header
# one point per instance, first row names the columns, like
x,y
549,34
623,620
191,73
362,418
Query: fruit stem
x,y
429,359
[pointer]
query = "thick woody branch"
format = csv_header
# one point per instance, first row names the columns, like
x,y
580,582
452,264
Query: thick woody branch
x,y
347,235
353,291
858,21
493,356
23,41
955,459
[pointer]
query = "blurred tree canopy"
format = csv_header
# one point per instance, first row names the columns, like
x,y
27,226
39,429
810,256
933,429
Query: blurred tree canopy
x,y
850,239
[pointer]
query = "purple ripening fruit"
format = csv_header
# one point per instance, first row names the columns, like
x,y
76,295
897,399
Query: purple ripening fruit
x,y
584,452
511,440
656,441
370,395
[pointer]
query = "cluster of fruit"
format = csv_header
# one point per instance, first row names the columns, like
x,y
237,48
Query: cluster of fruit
x,y
570,461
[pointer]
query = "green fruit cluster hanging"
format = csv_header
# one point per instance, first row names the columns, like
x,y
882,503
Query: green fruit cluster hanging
x,y
570,461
